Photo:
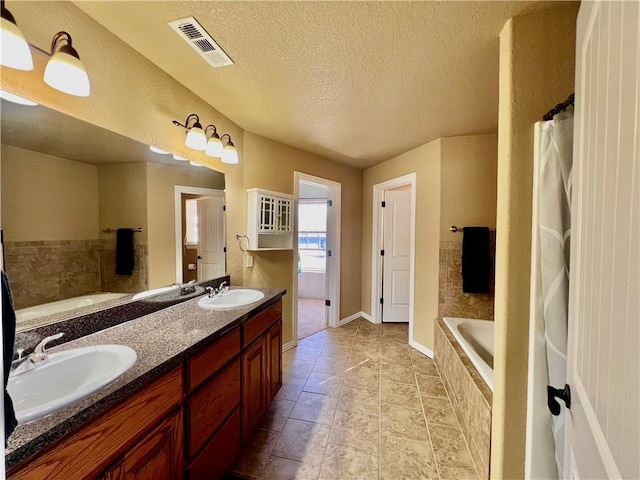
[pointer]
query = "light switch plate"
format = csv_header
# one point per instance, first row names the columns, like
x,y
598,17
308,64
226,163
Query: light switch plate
x,y
249,261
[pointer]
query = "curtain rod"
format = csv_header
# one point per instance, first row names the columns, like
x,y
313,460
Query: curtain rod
x,y
561,107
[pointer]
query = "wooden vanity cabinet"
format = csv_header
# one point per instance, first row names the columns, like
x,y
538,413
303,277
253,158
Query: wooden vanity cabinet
x,y
190,423
157,456
261,365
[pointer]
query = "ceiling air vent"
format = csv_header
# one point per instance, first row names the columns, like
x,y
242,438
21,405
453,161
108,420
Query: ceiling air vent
x,y
192,32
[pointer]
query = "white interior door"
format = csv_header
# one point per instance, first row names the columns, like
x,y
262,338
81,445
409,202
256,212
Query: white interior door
x,y
397,255
603,424
211,238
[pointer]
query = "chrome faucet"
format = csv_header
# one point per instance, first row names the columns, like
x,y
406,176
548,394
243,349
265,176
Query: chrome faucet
x,y
216,292
187,288
38,357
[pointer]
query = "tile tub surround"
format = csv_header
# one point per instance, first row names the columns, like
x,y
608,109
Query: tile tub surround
x,y
162,341
71,268
470,395
357,403
452,301
87,320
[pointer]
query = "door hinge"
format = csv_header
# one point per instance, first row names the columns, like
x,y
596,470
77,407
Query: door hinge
x,y
329,203
328,253
381,301
327,303
564,395
382,252
384,204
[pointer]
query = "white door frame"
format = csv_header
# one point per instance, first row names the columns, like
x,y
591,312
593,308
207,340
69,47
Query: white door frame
x,y
333,241
178,191
376,258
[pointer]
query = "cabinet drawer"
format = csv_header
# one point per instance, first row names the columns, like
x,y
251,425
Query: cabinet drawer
x,y
89,451
218,455
261,322
211,405
206,363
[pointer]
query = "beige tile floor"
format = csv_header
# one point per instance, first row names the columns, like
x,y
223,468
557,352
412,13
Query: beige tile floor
x,y
358,403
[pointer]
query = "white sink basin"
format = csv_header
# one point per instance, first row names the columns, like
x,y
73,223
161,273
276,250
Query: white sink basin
x,y
66,378
231,299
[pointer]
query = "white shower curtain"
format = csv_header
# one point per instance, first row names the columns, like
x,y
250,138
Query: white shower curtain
x,y
554,215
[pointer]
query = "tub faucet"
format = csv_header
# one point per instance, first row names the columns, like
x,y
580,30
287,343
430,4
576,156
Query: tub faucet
x,y
38,357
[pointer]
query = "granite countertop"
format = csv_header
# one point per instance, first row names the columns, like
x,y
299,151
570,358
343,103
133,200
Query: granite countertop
x,y
162,341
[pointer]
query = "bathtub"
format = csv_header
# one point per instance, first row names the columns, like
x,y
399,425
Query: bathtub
x,y
29,313
476,339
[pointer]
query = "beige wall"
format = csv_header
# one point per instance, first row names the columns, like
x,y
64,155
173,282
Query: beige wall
x,y
425,162
47,198
129,95
537,54
456,185
468,183
161,180
270,165
123,198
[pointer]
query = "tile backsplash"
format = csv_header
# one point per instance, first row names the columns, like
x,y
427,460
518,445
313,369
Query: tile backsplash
x,y
452,301
50,270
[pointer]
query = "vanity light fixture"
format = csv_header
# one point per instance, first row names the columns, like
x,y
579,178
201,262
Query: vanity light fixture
x,y
64,72
15,49
178,157
158,150
214,144
12,97
229,153
195,164
196,138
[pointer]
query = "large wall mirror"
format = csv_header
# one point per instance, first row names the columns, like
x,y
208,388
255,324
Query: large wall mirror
x,y
68,186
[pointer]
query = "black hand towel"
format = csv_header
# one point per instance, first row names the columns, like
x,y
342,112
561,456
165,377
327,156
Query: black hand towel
x,y
476,260
8,339
124,251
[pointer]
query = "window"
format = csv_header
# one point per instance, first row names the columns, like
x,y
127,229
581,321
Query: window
x,y
312,235
191,222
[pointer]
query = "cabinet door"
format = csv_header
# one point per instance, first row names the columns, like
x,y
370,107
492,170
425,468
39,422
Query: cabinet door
x,y
157,456
274,362
267,218
254,386
284,216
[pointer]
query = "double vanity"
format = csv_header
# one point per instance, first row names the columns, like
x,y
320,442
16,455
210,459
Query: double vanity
x,y
205,373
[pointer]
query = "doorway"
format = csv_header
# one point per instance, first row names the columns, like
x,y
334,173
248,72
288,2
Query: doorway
x,y
317,249
393,251
199,234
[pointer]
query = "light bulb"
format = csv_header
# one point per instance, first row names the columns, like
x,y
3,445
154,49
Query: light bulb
x,y
214,147
15,49
229,154
196,138
66,73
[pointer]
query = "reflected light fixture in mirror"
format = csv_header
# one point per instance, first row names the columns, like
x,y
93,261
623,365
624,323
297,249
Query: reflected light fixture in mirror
x,y
12,97
15,49
229,153
195,164
178,157
214,144
65,71
158,150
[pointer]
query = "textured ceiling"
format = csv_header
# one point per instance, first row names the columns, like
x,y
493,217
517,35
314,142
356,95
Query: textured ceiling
x,y
357,82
